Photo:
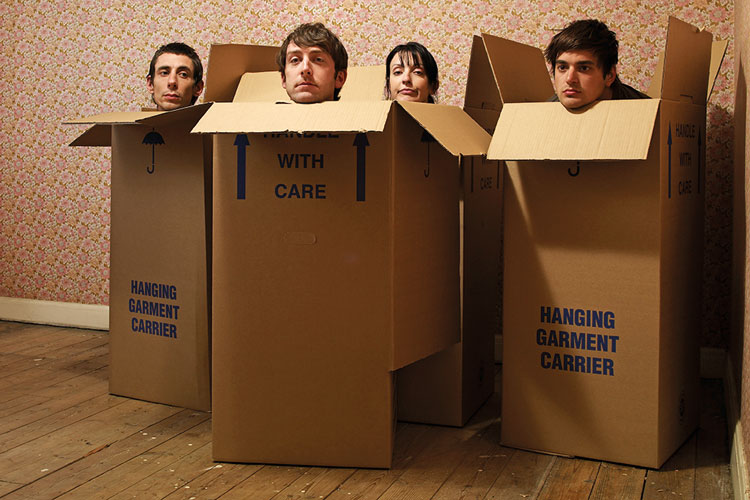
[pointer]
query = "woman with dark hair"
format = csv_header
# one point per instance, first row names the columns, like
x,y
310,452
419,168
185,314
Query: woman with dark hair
x,y
411,74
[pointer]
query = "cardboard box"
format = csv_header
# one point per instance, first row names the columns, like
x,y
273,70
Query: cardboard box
x,y
335,263
603,257
160,243
448,387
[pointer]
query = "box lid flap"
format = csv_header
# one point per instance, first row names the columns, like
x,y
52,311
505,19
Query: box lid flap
x,y
98,135
364,83
261,117
451,127
718,50
228,62
262,86
481,88
520,70
687,59
117,118
606,130
183,115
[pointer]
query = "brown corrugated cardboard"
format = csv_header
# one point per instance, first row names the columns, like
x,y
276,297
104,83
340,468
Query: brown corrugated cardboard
x,y
160,248
160,240
448,387
603,251
335,262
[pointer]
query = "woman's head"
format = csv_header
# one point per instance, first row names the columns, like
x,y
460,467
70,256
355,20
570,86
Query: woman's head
x,y
411,73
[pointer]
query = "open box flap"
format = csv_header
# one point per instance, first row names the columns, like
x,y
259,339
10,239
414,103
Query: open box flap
x,y
262,117
606,130
520,70
188,114
363,83
117,118
718,50
451,127
228,62
100,134
687,59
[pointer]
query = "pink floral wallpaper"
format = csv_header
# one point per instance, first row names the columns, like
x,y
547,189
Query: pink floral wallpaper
x,y
65,59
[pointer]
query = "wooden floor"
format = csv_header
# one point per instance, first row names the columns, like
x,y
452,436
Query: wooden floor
x,y
62,435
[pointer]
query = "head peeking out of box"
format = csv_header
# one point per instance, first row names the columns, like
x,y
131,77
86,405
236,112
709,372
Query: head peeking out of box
x,y
313,63
583,58
411,74
175,76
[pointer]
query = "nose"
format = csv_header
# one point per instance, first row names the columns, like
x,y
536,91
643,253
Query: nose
x,y
172,80
406,77
571,75
305,66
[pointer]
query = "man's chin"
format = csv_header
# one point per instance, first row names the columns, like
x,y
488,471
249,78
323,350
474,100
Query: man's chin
x,y
307,97
573,102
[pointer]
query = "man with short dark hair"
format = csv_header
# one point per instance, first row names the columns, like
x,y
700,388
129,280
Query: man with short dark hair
x,y
313,64
584,58
175,76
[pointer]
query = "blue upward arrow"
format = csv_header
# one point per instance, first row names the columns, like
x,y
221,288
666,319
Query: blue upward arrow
x,y
669,160
360,140
241,142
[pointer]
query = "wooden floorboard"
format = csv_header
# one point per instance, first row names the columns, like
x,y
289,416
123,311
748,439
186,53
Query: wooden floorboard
x,y
63,436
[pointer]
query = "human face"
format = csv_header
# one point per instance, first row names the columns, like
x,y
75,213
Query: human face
x,y
172,85
407,80
579,80
310,74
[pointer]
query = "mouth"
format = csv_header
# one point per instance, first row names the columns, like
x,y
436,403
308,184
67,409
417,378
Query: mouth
x,y
571,92
407,92
306,85
172,97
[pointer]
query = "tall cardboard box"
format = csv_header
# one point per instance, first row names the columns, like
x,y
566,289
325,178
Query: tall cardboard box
x,y
448,387
603,257
335,263
160,244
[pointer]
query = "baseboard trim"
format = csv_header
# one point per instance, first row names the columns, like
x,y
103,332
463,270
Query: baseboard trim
x,y
95,317
737,461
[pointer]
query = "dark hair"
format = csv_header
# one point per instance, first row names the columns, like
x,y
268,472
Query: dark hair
x,y
415,54
585,34
180,49
316,35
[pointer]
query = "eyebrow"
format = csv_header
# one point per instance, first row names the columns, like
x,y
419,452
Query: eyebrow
x,y
179,68
312,51
590,63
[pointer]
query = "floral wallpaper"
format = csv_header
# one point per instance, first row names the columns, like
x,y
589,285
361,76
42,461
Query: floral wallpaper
x,y
65,59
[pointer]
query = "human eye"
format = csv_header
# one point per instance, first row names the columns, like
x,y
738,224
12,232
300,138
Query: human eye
x,y
184,74
561,66
584,68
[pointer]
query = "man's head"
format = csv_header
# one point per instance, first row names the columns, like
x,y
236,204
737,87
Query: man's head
x,y
175,76
583,57
313,64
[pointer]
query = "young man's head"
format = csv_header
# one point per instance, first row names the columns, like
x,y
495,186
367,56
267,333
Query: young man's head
x,y
583,57
175,76
313,64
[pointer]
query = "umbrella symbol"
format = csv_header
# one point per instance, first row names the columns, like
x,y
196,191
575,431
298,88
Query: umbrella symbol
x,y
152,138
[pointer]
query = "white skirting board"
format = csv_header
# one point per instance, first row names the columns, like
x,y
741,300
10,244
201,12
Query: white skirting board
x,y
737,461
95,317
